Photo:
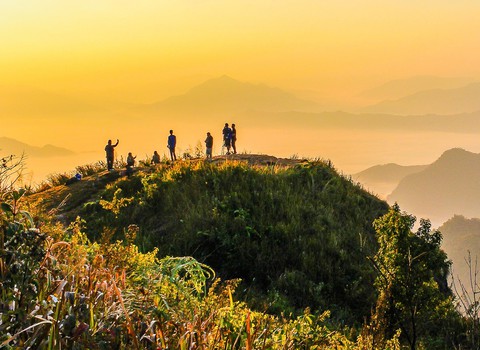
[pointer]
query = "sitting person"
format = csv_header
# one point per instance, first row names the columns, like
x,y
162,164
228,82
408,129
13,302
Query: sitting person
x,y
156,158
130,163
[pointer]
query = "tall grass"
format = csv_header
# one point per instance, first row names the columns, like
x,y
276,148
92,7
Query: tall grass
x,y
296,235
75,294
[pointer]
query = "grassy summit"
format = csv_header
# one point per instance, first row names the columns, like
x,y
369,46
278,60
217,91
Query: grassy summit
x,y
296,232
247,252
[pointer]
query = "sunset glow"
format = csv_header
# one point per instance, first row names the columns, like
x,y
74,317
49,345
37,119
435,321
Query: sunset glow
x,y
142,51
112,55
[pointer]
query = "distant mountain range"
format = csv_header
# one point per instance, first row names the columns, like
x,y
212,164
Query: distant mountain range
x,y
10,146
223,95
447,187
258,104
226,95
28,101
453,109
396,89
382,179
459,100
461,123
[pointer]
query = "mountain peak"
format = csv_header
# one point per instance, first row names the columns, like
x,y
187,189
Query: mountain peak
x,y
222,82
455,157
446,187
228,95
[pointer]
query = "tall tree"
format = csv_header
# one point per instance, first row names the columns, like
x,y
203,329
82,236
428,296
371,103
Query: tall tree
x,y
412,282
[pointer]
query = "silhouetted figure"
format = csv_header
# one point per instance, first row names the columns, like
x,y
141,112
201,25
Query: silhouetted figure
x,y
172,142
130,163
234,139
156,158
109,150
209,145
227,137
131,159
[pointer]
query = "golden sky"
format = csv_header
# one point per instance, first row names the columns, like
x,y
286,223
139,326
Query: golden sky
x,y
143,51
146,50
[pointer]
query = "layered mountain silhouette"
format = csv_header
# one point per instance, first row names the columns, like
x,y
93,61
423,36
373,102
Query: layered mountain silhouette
x,y
396,89
227,95
9,146
461,123
382,179
460,100
27,101
447,187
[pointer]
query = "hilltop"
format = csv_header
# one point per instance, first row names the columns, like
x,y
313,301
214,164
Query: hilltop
x,y
295,231
72,194
295,240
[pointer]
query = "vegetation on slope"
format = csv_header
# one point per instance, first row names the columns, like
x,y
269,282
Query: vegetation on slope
x,y
61,290
299,235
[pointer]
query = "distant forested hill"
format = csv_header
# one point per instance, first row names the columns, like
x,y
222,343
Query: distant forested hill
x,y
461,240
382,179
446,187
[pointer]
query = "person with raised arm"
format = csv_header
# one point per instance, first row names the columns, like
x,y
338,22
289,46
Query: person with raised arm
x,y
110,152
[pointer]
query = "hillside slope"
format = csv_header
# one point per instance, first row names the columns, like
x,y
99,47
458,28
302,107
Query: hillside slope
x,y
297,233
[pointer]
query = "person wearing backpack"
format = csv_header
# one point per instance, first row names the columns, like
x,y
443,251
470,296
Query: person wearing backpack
x,y
227,137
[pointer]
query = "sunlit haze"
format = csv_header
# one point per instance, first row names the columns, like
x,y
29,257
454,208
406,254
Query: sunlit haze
x,y
77,73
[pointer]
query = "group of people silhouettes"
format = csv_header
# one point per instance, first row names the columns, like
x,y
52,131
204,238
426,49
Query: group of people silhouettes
x,y
229,142
230,138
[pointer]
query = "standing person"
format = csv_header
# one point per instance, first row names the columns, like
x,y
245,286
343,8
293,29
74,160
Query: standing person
x,y
227,137
234,139
209,145
172,142
156,158
109,150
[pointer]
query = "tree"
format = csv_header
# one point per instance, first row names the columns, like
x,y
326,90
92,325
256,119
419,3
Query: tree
x,y
413,294
11,169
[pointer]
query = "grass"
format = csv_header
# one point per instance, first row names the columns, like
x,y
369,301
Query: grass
x,y
109,295
238,218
